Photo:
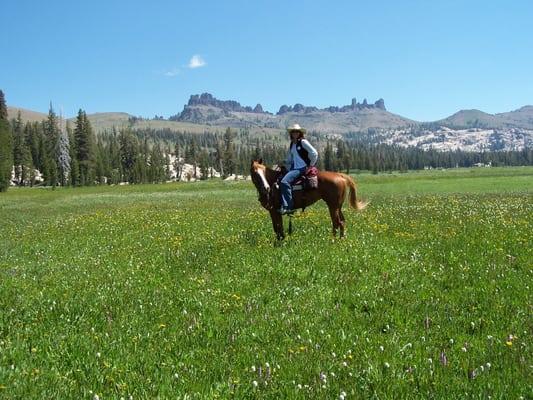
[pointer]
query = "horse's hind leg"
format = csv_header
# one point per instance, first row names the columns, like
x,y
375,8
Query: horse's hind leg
x,y
342,223
335,220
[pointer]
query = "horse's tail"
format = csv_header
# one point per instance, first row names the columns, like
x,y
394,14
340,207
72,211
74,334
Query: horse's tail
x,y
354,203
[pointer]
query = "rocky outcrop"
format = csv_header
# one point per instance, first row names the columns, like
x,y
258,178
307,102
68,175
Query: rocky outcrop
x,y
204,107
207,99
380,104
354,106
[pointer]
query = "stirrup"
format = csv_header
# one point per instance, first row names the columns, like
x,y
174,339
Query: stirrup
x,y
285,211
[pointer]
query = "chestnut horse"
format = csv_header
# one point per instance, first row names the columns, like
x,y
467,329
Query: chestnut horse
x,y
332,188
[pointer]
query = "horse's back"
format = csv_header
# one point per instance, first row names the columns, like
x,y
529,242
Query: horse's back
x,y
331,178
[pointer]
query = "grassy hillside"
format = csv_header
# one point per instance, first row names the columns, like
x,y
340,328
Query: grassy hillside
x,y
179,290
521,118
26,115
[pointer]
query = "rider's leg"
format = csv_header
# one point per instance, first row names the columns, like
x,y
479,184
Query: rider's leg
x,y
286,189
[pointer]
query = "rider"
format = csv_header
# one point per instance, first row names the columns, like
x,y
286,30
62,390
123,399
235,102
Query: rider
x,y
300,156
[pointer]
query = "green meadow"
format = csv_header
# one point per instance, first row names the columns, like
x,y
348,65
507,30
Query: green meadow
x,y
180,291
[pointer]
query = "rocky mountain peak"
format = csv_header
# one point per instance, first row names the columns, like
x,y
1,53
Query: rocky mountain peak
x,y
354,106
207,99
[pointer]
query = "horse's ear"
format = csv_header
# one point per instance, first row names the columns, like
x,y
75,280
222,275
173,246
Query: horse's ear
x,y
260,161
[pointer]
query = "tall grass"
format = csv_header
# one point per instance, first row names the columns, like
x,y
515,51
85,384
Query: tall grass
x,y
180,291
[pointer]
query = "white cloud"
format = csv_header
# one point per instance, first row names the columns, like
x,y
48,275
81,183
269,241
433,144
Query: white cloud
x,y
172,72
196,62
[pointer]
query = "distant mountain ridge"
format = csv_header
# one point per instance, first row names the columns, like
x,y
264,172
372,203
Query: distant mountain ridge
x,y
521,118
474,130
206,109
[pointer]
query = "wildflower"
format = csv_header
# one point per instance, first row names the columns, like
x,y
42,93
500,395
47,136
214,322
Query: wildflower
x,y
488,365
323,376
252,368
443,359
386,365
255,384
176,376
342,396
299,386
344,364
381,348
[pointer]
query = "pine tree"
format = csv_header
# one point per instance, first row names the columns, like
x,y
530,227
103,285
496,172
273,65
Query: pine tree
x,y
128,155
6,146
74,178
230,161
64,160
191,156
178,161
328,157
219,158
27,171
204,164
51,148
157,171
18,144
85,149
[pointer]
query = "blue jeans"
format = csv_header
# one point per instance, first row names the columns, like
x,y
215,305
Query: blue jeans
x,y
286,189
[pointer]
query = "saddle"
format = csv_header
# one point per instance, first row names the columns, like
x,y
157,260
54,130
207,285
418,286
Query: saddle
x,y
308,181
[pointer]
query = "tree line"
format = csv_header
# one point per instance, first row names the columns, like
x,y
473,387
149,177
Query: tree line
x,y
55,153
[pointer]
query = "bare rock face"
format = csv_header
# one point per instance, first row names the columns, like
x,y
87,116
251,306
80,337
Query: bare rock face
x,y
353,107
207,99
205,108
380,104
298,107
284,109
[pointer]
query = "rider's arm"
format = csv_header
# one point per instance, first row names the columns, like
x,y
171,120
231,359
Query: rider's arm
x,y
311,152
288,161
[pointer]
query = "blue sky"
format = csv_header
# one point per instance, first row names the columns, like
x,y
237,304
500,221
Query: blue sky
x,y
427,59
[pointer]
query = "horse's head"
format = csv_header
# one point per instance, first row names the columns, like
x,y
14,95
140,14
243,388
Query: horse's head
x,y
258,172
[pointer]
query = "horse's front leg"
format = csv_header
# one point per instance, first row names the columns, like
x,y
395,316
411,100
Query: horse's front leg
x,y
277,224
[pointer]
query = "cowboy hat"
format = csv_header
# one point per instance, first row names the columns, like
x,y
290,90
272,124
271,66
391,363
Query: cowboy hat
x,y
296,127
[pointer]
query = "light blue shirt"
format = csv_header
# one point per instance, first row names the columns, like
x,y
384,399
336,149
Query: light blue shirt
x,y
294,161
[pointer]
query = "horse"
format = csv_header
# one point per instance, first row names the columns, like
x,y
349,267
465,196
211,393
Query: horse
x,y
332,188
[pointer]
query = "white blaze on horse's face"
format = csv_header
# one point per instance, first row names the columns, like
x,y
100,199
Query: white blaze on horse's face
x,y
261,173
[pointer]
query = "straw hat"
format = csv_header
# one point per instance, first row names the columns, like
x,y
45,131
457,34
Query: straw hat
x,y
296,127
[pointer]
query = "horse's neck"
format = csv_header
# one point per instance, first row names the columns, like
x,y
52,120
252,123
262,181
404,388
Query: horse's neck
x,y
271,175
